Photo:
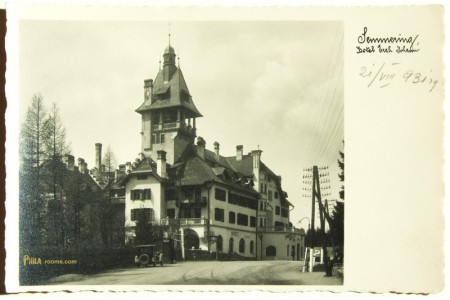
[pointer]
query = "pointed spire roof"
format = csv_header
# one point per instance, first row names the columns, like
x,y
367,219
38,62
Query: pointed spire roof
x,y
170,92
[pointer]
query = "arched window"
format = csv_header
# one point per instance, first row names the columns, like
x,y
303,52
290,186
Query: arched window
x,y
241,245
271,251
219,243
230,245
252,246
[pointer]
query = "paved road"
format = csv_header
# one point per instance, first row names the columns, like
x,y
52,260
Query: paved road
x,y
211,272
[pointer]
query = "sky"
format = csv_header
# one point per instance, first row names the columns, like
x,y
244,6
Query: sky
x,y
273,85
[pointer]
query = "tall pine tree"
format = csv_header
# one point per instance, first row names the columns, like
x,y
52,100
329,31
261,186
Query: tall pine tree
x,y
338,213
32,155
56,148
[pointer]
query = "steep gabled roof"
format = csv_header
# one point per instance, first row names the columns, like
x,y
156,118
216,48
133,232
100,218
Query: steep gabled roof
x,y
245,167
144,166
190,169
176,86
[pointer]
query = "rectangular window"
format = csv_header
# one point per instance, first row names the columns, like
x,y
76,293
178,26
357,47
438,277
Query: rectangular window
x,y
147,194
189,194
280,225
242,201
135,195
284,213
219,214
142,214
262,188
197,212
260,222
253,204
252,221
277,210
275,194
141,194
221,194
231,217
162,138
186,212
154,141
242,219
171,213
270,195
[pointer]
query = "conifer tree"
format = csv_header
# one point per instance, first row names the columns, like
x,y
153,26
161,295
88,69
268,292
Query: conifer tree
x,y
32,154
338,213
56,148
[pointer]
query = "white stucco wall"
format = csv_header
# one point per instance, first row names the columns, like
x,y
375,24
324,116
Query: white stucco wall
x,y
155,202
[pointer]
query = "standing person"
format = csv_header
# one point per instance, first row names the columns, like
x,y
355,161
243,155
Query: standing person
x,y
293,253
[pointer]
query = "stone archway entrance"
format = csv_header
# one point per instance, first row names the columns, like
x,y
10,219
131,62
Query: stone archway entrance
x,y
191,239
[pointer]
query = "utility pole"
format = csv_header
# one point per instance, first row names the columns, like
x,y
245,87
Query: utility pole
x,y
318,176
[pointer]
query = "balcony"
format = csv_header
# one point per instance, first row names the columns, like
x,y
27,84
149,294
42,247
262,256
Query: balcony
x,y
118,200
284,229
185,221
169,125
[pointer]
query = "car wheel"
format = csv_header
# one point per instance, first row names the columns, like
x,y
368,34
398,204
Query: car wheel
x,y
144,259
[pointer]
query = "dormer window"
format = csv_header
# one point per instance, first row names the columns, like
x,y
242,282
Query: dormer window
x,y
163,93
184,96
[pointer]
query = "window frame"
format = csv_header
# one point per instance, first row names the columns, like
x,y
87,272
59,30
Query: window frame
x,y
242,245
219,214
231,220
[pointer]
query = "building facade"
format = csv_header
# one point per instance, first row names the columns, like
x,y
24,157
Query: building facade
x,y
224,205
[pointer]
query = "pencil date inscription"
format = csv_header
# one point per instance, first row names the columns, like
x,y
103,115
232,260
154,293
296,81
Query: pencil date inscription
x,y
386,74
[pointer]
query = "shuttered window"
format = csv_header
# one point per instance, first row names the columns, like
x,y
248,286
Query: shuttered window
x,y
142,214
145,194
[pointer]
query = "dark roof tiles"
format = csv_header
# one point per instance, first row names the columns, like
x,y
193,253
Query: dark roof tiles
x,y
178,87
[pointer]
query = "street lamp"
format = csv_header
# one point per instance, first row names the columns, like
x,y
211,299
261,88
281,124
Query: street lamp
x,y
309,222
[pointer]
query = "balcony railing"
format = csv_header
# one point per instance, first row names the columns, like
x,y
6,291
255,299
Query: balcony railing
x,y
169,125
281,229
185,221
118,200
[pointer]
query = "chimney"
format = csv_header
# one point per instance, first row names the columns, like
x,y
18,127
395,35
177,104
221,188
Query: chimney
x,y
256,154
69,160
161,164
148,91
98,159
86,170
128,167
256,158
201,147
81,165
239,152
216,150
141,156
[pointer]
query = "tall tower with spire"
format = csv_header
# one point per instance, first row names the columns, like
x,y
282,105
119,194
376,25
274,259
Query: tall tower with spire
x,y
168,112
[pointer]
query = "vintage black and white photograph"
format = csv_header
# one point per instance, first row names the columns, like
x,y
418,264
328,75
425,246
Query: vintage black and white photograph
x,y
181,153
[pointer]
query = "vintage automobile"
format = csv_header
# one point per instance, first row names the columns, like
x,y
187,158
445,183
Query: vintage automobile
x,y
148,254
